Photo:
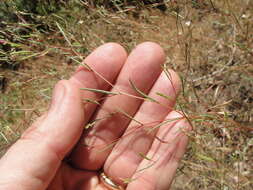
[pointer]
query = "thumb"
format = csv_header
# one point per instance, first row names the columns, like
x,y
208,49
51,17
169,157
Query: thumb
x,y
33,160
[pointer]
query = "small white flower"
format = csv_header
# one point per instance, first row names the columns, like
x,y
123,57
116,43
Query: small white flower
x,y
80,22
245,16
188,23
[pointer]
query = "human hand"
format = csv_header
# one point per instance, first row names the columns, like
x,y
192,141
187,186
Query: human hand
x,y
132,140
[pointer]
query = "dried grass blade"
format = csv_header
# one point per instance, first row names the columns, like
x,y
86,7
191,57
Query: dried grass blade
x,y
63,33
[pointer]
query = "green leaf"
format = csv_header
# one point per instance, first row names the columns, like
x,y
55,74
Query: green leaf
x,y
100,91
142,93
144,156
205,158
90,125
129,116
128,180
91,101
164,96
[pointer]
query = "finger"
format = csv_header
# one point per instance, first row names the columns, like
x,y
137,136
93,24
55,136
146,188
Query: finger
x,y
103,64
158,169
71,179
142,67
33,160
137,139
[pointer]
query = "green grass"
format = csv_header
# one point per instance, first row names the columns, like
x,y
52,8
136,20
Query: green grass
x,y
208,42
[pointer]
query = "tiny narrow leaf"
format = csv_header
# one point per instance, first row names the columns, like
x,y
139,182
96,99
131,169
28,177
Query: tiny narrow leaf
x,y
100,91
142,93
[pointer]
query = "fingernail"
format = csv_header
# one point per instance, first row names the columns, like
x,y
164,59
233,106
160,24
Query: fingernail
x,y
57,97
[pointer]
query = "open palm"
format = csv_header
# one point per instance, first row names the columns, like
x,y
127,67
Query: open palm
x,y
137,143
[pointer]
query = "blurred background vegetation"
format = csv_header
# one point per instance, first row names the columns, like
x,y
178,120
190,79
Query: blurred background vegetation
x,y
209,43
